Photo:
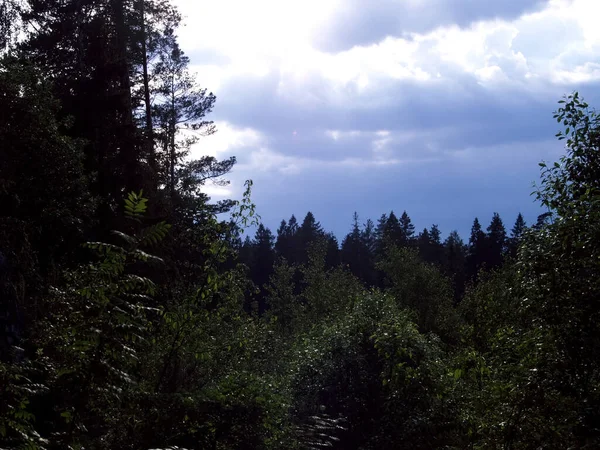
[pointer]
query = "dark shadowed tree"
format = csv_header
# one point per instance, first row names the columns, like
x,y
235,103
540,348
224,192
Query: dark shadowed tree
x,y
264,259
454,263
308,233
516,235
332,253
355,252
476,250
286,244
408,229
496,243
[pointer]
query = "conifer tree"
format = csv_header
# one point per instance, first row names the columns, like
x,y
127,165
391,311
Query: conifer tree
x,y
516,235
496,242
393,232
309,232
286,244
369,236
408,229
454,263
477,250
354,252
332,254
424,244
179,105
263,261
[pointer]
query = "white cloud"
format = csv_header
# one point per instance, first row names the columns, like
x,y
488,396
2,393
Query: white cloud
x,y
226,140
272,41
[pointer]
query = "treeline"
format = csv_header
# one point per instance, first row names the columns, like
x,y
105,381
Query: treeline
x,y
132,315
366,244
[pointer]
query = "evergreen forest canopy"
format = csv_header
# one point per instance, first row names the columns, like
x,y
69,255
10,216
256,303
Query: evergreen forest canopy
x,y
134,316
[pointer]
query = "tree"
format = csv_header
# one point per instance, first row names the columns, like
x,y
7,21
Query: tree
x,y
408,229
355,252
424,244
421,288
454,263
380,235
477,250
309,232
9,24
178,104
154,23
263,261
332,253
541,314
286,244
369,236
430,246
496,243
393,233
83,52
516,235
46,204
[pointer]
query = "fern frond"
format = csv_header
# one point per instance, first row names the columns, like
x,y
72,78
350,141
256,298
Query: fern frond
x,y
154,234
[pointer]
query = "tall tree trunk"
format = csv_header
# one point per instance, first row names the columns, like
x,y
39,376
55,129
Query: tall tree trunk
x,y
172,130
149,129
127,143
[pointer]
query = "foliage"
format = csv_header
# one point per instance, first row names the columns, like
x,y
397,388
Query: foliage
x,y
174,333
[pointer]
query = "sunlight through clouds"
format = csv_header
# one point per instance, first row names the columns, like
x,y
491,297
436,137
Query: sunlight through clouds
x,y
307,86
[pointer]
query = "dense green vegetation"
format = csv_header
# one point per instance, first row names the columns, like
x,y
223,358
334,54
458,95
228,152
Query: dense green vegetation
x,y
133,316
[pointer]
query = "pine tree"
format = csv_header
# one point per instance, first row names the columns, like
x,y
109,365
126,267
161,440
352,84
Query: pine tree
x,y
454,263
369,236
353,252
429,244
496,242
309,232
516,235
393,232
437,248
424,245
246,252
179,104
380,233
84,52
408,229
286,244
154,23
369,244
332,255
477,250
263,261
435,234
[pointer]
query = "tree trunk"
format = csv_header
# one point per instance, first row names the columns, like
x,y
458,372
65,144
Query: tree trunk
x,y
149,128
127,143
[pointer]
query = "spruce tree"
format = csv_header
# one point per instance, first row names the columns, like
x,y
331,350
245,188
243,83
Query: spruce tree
x,y
516,235
309,232
454,263
393,232
496,242
424,244
408,229
477,250
263,261
354,252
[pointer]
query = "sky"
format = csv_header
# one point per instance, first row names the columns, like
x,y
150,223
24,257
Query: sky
x,y
442,108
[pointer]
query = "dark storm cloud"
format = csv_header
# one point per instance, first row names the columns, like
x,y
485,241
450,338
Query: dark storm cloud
x,y
424,120
363,22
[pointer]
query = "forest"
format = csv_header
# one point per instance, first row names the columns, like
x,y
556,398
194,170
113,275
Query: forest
x,y
137,313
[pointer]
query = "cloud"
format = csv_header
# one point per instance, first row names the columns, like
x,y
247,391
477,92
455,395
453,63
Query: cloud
x,y
368,105
364,22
